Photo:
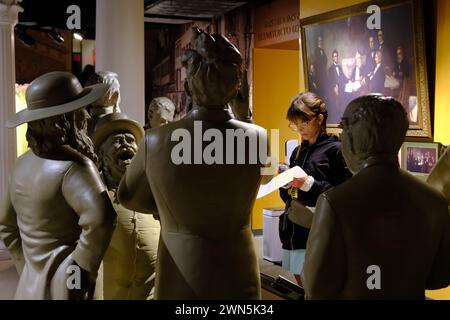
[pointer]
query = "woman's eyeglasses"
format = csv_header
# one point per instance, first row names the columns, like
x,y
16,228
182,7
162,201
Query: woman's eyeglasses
x,y
297,127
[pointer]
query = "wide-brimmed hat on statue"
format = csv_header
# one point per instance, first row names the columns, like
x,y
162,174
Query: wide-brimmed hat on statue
x,y
115,122
53,94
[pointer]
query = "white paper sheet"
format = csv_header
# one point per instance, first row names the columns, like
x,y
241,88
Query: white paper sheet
x,y
280,180
352,86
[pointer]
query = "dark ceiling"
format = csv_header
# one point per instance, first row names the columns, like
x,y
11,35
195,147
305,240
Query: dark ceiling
x,y
51,13
172,11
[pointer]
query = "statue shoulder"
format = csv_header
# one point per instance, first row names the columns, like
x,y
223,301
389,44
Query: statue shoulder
x,y
83,171
249,126
155,136
72,155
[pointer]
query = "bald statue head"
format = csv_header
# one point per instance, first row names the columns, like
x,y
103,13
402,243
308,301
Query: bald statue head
x,y
161,111
372,125
213,70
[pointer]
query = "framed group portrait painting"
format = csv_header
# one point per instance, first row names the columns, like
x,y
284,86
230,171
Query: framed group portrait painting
x,y
419,158
377,47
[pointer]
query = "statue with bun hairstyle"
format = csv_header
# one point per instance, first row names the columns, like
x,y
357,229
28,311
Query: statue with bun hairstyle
x,y
206,246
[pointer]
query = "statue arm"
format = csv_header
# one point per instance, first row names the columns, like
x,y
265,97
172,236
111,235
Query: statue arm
x,y
270,167
9,233
439,276
86,194
324,271
439,177
134,191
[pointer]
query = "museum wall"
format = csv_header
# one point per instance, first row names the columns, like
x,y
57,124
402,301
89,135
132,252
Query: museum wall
x,y
164,72
442,92
52,56
275,78
275,83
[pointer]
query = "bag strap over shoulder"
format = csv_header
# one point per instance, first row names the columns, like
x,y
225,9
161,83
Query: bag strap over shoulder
x,y
299,214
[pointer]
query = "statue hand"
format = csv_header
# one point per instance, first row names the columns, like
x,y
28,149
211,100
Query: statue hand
x,y
240,105
87,285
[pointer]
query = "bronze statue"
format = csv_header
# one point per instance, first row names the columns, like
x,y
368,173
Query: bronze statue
x,y
383,234
161,111
57,219
439,177
109,102
240,104
129,262
206,245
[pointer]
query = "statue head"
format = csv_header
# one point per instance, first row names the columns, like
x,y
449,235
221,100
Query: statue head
x,y
372,125
213,70
46,135
116,140
55,113
112,95
160,112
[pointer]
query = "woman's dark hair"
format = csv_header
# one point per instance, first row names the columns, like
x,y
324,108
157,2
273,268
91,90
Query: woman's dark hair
x,y
307,106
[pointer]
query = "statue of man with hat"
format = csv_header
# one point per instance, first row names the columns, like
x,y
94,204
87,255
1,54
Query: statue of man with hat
x,y
57,220
129,262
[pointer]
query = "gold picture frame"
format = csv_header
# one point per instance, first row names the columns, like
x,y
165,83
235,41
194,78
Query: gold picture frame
x,y
393,63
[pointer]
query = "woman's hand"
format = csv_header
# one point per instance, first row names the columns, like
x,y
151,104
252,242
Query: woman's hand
x,y
298,182
282,167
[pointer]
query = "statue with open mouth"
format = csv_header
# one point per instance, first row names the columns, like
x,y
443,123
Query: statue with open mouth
x,y
129,262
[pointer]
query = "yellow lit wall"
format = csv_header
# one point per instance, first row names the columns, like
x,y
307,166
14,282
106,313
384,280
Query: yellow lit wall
x,y
22,144
442,98
275,83
442,92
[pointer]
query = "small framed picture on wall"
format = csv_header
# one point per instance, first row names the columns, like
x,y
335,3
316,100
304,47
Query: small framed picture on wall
x,y
419,158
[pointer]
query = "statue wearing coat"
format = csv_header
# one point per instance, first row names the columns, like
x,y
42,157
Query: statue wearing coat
x,y
57,220
382,234
206,247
